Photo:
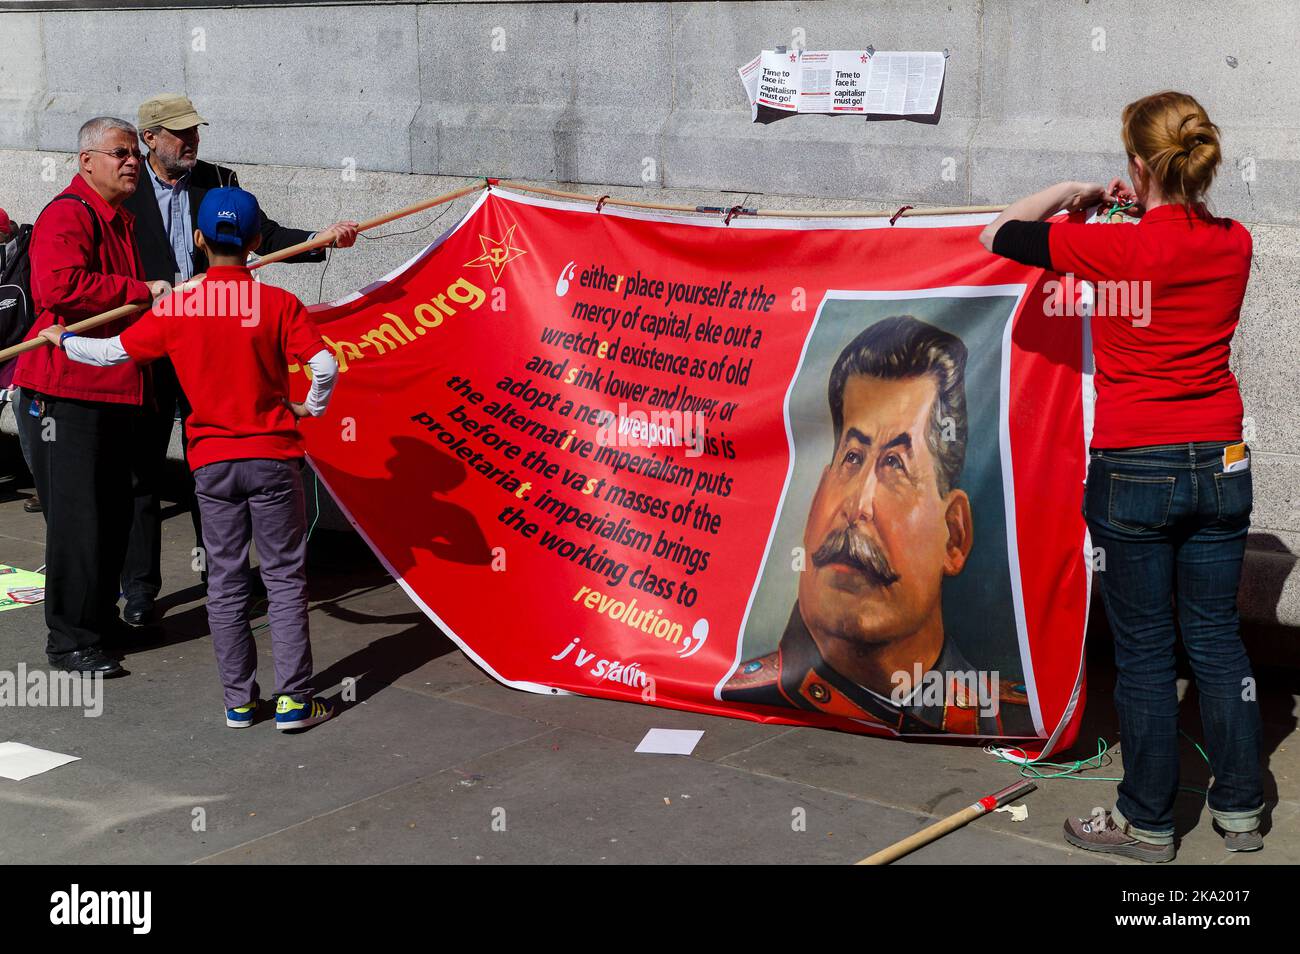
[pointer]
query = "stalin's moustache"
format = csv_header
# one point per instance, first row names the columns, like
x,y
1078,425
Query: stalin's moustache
x,y
851,548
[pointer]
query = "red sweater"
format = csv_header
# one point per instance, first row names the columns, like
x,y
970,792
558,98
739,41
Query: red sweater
x,y
1162,374
231,340
71,281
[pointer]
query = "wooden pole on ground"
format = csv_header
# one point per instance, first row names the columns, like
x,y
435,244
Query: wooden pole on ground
x,y
940,828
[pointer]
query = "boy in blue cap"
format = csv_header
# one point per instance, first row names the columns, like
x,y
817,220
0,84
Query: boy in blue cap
x,y
243,445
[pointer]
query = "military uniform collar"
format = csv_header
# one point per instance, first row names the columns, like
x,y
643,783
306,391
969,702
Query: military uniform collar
x,y
810,682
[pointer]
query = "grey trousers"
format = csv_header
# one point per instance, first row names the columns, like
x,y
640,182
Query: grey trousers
x,y
260,500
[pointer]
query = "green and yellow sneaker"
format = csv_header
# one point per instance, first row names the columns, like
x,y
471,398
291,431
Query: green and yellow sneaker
x,y
291,714
241,717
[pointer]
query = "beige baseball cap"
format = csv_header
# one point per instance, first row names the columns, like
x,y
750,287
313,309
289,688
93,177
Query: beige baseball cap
x,y
171,111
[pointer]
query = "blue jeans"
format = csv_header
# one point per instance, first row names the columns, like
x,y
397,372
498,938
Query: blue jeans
x,y
1168,529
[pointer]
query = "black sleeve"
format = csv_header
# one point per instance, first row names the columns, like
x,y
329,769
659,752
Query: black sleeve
x,y
276,237
1024,242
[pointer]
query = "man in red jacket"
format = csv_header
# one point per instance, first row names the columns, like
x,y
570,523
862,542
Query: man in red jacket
x,y
84,261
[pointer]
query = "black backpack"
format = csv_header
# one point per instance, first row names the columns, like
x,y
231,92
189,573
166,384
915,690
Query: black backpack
x,y
16,311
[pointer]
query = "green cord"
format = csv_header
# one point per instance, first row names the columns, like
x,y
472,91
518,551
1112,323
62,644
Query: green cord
x,y
315,520
1029,768
1116,209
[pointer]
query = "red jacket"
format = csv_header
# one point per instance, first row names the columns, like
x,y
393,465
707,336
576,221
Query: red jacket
x,y
70,281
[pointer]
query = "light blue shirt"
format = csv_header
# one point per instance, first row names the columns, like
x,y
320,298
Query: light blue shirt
x,y
174,204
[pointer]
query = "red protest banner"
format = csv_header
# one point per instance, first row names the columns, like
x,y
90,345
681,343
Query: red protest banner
x,y
815,473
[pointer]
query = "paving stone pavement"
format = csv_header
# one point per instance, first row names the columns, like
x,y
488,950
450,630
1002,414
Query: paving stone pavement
x,y
435,762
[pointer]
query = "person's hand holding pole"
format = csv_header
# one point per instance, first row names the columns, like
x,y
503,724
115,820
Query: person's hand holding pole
x,y
345,233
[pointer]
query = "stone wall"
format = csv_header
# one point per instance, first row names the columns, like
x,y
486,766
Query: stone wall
x,y
349,110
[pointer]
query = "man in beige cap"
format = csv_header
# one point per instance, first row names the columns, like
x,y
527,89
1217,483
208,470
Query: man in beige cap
x,y
166,205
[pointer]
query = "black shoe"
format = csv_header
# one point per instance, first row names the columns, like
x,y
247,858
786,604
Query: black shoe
x,y
139,611
88,661
33,504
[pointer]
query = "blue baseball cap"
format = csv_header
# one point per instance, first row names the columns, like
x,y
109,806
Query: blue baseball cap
x,y
229,216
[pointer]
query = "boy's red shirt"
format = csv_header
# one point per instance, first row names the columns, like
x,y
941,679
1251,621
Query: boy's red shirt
x,y
231,340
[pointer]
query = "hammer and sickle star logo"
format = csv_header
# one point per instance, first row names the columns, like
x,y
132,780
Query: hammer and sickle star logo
x,y
496,253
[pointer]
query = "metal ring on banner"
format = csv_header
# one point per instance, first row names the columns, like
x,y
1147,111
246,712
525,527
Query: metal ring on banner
x,y
895,217
600,203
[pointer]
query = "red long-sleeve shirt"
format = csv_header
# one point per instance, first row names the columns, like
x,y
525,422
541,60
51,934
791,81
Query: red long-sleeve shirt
x,y
71,280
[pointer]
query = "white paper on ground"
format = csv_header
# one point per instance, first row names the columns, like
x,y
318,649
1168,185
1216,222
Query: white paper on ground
x,y
671,741
1018,813
18,761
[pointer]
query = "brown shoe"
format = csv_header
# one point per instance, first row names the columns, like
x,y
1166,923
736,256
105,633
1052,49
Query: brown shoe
x,y
1102,834
1243,840
33,504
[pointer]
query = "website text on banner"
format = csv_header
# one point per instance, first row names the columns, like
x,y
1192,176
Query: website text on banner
x,y
785,471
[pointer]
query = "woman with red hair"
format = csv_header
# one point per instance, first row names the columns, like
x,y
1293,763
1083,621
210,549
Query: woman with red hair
x,y
1168,495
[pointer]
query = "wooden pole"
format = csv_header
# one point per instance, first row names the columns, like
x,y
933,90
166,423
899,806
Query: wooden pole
x,y
583,197
906,214
324,238
321,240
954,821
774,213
103,318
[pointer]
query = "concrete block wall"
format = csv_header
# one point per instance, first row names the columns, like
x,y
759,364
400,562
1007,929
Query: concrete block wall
x,y
643,99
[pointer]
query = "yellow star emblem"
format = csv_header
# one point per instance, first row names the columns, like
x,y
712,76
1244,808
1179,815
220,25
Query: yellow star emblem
x,y
496,253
